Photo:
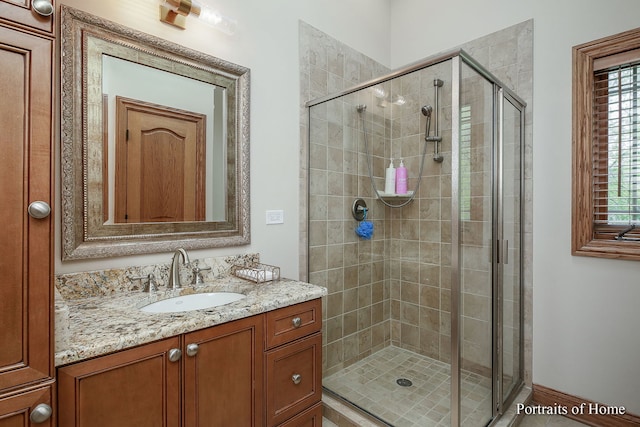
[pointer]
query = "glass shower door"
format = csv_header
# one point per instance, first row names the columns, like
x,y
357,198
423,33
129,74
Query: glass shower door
x,y
511,218
476,188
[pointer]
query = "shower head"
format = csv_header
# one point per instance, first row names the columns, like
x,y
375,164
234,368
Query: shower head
x,y
427,110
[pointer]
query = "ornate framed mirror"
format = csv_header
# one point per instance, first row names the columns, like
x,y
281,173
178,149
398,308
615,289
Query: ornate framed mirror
x,y
155,143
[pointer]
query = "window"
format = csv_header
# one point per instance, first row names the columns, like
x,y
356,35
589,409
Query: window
x,y
606,147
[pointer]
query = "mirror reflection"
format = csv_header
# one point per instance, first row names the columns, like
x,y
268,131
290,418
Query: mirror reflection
x,y
164,141
155,145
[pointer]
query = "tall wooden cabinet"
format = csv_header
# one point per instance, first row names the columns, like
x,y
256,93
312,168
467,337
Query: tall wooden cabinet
x,y
26,226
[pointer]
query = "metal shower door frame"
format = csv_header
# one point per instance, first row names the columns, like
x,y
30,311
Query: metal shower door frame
x,y
499,247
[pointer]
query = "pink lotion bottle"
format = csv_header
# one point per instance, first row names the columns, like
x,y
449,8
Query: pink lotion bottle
x,y
401,178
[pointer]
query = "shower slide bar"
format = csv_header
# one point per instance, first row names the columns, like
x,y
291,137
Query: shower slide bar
x,y
436,138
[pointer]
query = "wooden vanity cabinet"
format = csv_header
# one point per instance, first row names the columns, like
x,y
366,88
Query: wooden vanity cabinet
x,y
257,371
26,176
293,365
213,380
138,387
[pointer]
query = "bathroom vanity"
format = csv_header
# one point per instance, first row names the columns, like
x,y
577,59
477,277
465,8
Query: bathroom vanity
x,y
252,362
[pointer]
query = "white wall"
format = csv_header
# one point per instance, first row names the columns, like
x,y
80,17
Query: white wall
x,y
586,321
267,43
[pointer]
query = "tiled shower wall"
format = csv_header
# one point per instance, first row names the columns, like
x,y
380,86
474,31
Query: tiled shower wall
x,y
419,233
394,288
356,317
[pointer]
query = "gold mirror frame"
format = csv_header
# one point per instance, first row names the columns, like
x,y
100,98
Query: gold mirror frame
x,y
84,234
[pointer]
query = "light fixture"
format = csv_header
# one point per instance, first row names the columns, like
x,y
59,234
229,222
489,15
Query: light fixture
x,y
379,92
174,12
384,97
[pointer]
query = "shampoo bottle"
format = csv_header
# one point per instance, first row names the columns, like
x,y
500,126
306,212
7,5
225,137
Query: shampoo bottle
x,y
401,178
390,179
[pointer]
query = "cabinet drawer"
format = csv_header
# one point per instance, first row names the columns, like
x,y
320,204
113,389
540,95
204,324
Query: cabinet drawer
x,y
311,417
15,410
290,323
293,378
22,12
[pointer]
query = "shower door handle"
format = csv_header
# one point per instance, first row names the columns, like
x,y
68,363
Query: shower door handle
x,y
503,251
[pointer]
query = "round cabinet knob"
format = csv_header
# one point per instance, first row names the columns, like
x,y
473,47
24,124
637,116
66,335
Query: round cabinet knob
x,y
175,354
296,378
42,7
297,322
39,209
40,413
192,349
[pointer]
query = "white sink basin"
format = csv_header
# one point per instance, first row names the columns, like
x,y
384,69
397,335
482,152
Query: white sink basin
x,y
192,302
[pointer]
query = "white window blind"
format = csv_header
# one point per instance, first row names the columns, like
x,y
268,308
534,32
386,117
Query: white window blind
x,y
616,148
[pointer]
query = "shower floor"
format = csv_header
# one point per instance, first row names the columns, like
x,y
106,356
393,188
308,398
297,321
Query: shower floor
x,y
371,385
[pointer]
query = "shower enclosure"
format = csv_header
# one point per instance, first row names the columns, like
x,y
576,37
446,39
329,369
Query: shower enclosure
x,y
423,320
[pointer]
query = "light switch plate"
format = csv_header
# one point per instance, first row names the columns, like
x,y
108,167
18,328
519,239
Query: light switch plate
x,y
275,217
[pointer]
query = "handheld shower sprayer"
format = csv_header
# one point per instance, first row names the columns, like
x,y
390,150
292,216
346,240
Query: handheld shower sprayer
x,y
427,110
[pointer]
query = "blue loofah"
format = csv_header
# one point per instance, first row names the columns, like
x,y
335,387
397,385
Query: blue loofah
x,y
365,230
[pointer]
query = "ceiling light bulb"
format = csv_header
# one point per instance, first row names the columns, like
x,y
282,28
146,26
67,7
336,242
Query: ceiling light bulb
x,y
379,92
399,100
218,21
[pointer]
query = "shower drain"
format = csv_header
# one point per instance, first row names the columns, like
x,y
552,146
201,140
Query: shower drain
x,y
403,382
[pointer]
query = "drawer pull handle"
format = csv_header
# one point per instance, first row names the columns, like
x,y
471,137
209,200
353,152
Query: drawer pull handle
x,y
297,322
39,209
41,413
192,349
43,7
175,354
296,378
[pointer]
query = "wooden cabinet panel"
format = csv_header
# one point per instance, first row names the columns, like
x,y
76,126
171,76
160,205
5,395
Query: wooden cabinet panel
x,y
132,388
16,409
290,323
294,378
26,354
223,380
21,12
311,417
220,381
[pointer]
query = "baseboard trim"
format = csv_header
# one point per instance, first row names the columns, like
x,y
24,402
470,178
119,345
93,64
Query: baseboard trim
x,y
590,415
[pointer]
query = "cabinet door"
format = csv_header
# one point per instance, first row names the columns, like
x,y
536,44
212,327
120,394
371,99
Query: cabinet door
x,y
139,387
223,375
22,12
15,411
26,354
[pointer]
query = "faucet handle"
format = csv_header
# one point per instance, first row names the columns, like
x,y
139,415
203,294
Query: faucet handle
x,y
197,277
148,282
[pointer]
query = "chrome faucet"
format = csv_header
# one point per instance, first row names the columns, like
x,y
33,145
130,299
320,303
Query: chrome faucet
x,y
174,273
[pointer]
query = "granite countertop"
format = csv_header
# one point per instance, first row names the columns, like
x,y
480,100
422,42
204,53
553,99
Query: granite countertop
x,y
97,325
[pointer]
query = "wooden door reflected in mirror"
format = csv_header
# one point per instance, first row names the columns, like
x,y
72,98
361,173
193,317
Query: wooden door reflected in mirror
x,y
160,168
